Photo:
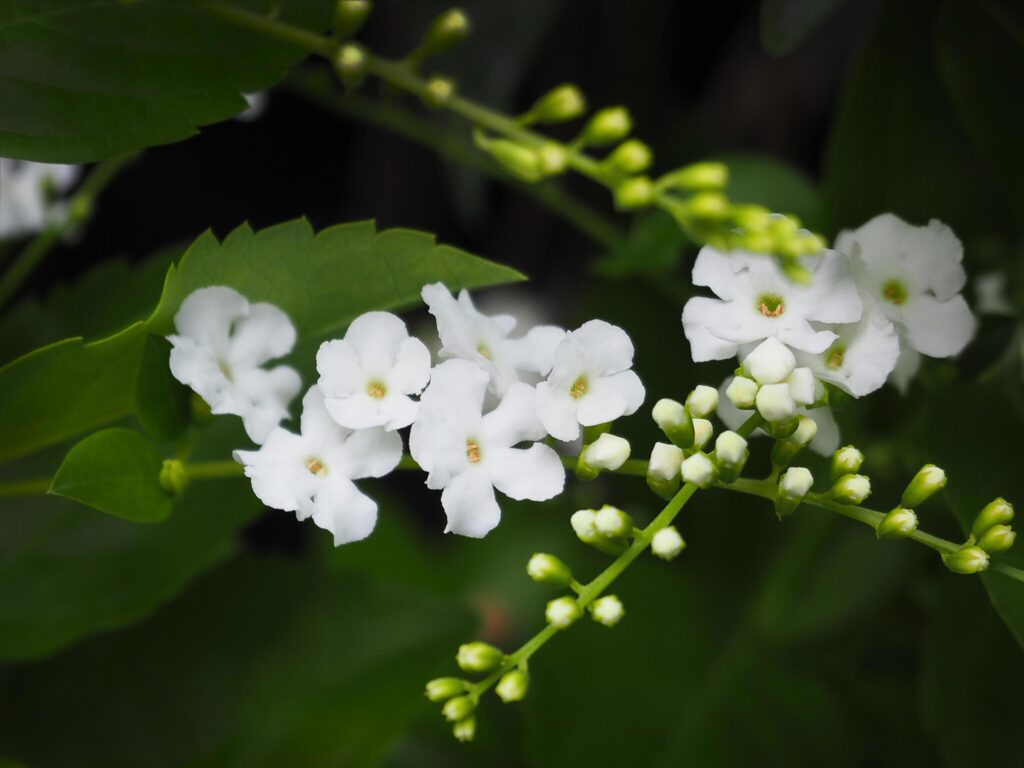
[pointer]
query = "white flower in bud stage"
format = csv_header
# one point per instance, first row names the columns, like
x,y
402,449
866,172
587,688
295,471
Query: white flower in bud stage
x,y
607,610
220,348
666,460
699,470
667,543
702,401
28,195
796,482
770,362
915,275
590,382
311,473
703,431
742,392
484,340
608,452
367,377
468,453
757,301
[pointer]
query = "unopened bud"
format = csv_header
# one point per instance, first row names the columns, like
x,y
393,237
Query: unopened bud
x,y
443,688
520,161
742,392
794,484
632,156
803,386
928,480
774,403
703,400
350,64
703,431
584,524
998,538
566,102
710,206
478,657
553,158
771,362
967,560
513,686
667,543
699,470
562,612
458,708
663,469
607,610
851,489
846,461
751,218
548,569
696,177
174,477
608,126
445,32
634,192
731,453
438,91
785,450
613,523
349,17
671,417
998,512
608,452
465,729
897,524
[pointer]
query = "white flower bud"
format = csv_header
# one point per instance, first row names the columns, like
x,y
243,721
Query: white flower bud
x,y
512,686
703,431
607,610
742,392
699,470
967,560
584,523
928,480
851,489
786,449
771,362
846,461
478,657
774,402
443,688
897,524
702,401
562,612
613,522
672,419
548,569
458,708
731,453
796,482
465,729
665,461
667,543
997,512
803,387
997,539
607,452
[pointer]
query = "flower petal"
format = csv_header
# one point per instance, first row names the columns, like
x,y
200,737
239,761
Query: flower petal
x,y
536,350
906,368
557,412
411,371
938,328
698,313
610,397
366,453
266,333
278,472
470,505
535,473
207,314
344,510
376,338
341,372
513,420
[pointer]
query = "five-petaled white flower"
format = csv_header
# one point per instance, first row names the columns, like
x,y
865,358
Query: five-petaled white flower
x,y
484,340
28,194
915,275
757,300
469,453
221,344
367,377
311,473
591,381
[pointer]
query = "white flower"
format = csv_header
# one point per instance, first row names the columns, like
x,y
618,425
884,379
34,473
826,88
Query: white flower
x,y
469,454
311,473
775,403
562,611
469,335
731,448
367,377
613,522
219,351
28,194
702,401
770,362
607,610
915,276
669,414
667,543
757,301
665,461
607,452
699,470
590,382
852,489
990,294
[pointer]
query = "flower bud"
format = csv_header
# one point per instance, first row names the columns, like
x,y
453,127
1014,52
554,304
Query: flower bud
x,y
785,450
520,161
439,91
771,362
774,403
608,126
898,524
445,32
513,686
478,657
632,156
563,611
967,560
349,17
998,512
699,470
703,431
607,610
709,206
699,176
803,386
742,392
553,158
443,688
703,400
634,192
173,477
663,469
667,543
465,729
608,452
998,538
846,461
928,480
671,417
558,105
458,708
794,484
851,489
548,569
613,523
731,454
350,64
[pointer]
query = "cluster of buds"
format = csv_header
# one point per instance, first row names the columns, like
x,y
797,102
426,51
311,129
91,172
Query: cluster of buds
x,y
770,382
991,534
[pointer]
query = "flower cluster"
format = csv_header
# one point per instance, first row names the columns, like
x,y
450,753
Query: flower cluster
x,y
30,195
477,418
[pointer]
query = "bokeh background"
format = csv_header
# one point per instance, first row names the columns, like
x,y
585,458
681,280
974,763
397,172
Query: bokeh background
x,y
233,635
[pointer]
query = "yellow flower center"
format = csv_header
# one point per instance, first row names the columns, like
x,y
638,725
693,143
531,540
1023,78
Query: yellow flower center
x,y
483,350
316,467
473,451
771,305
579,388
835,358
894,292
376,389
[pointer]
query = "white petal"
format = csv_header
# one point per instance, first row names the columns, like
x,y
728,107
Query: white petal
x,y
535,473
262,398
935,253
606,348
264,334
514,419
938,328
536,350
803,386
412,367
826,439
341,372
376,338
316,423
714,270
344,510
456,390
278,472
698,313
610,397
833,296
906,368
557,412
207,314
198,367
366,453
470,505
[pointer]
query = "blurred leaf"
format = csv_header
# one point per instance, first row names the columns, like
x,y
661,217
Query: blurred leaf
x,y
323,280
774,184
85,81
116,471
787,23
654,246
266,663
161,402
67,388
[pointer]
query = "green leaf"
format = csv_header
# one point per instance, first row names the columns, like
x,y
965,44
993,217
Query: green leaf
x,y
81,81
67,388
161,402
786,23
116,471
774,184
655,246
323,280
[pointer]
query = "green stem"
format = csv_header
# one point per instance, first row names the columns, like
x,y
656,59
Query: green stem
x,y
213,470
25,487
270,27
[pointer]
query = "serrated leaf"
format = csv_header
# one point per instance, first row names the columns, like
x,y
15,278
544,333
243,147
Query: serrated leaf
x,y
81,81
161,402
116,471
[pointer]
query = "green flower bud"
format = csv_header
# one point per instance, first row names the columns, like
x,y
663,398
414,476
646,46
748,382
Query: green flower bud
x,y
439,91
997,539
731,454
751,218
851,489
607,126
607,610
613,523
898,524
846,461
349,17
663,469
465,729
697,177
350,64
998,512
553,158
928,480
797,272
513,686
563,612
478,657
174,477
785,450
520,161
672,418
458,708
445,32
443,688
709,206
967,560
634,192
548,569
559,105
632,156
667,543
584,524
